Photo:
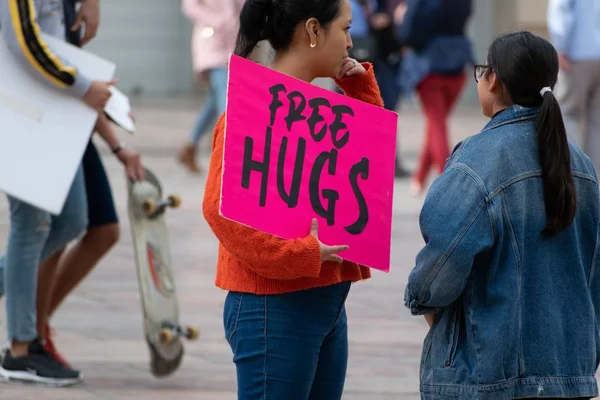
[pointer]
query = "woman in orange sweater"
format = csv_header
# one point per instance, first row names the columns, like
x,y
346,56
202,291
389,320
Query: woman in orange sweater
x,y
284,315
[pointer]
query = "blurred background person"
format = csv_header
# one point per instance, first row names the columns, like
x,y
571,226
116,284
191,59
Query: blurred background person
x,y
374,40
61,273
213,40
575,33
440,50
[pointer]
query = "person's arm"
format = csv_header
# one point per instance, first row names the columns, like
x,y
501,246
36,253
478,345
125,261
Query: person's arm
x,y
130,158
561,17
456,226
362,87
21,32
89,17
266,255
560,22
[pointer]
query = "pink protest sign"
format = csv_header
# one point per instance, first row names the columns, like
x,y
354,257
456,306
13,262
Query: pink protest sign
x,y
294,151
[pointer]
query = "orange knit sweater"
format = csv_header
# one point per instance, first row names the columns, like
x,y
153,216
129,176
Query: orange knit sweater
x,y
255,262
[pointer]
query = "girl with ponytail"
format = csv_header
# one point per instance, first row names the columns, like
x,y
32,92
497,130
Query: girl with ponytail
x,y
507,279
284,315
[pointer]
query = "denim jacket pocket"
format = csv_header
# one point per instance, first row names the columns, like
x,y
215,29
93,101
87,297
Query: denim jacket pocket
x,y
428,344
454,331
231,313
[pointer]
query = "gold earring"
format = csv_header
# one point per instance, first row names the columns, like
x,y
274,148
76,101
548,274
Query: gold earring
x,y
313,45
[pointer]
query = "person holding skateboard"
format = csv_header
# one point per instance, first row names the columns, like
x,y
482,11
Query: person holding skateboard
x,y
64,271
284,315
35,235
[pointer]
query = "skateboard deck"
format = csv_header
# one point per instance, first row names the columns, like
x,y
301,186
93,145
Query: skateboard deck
x,y
155,275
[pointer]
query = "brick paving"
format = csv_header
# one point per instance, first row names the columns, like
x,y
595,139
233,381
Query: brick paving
x,y
100,326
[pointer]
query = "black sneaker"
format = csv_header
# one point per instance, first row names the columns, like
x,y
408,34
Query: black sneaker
x,y
38,367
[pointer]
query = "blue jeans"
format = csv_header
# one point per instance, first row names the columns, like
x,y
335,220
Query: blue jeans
x,y
385,74
214,103
292,346
34,236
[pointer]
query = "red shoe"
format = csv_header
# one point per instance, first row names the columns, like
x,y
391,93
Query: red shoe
x,y
51,349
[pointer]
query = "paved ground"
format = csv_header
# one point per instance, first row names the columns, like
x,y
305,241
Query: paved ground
x,y
100,327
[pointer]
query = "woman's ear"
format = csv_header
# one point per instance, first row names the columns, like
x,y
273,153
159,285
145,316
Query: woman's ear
x,y
312,27
493,83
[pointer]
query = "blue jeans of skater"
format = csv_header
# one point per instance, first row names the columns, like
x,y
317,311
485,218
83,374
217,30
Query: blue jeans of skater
x,y
214,103
34,236
292,346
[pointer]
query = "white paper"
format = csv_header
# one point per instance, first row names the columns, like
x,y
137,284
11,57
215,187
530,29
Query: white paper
x,y
44,130
118,109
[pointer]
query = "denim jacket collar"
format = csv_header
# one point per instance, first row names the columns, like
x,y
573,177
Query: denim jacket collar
x,y
514,113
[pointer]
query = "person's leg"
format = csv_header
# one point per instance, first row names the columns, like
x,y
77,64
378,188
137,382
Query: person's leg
x,y
592,114
386,80
187,155
385,74
571,92
205,117
102,230
66,227
433,103
31,232
46,281
81,259
333,361
218,81
277,340
101,235
452,87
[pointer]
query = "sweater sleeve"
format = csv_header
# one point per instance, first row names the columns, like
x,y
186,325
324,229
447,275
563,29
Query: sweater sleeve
x,y
362,87
22,35
266,255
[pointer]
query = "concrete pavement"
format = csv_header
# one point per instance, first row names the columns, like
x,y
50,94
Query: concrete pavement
x,y
99,328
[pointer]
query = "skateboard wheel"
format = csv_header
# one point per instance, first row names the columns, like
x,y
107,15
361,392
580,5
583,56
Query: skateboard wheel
x,y
149,206
165,336
192,333
175,201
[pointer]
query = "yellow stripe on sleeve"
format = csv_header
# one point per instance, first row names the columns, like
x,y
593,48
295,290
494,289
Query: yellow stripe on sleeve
x,y
35,50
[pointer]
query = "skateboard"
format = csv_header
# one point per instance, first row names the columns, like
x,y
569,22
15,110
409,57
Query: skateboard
x,y
155,275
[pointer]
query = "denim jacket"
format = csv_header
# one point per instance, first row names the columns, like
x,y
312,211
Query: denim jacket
x,y
517,312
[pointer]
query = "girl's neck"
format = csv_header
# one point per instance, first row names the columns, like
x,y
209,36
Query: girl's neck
x,y
290,64
498,107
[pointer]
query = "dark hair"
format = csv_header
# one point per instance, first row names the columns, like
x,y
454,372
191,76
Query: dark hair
x,y
525,64
276,21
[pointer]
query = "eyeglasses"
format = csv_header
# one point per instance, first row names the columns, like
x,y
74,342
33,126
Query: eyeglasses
x,y
479,70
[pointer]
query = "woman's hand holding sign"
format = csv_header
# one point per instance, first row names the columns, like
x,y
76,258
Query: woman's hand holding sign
x,y
328,253
350,67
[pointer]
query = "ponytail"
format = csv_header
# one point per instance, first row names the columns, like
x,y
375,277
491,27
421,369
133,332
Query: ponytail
x,y
255,22
559,190
525,63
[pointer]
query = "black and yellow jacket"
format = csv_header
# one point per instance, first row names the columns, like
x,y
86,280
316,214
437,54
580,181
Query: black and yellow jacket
x,y
22,22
